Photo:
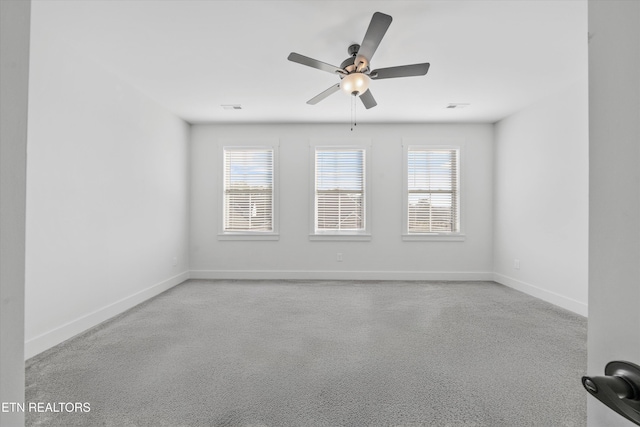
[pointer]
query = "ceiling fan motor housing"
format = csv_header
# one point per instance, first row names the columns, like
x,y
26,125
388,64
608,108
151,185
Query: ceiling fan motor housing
x,y
349,64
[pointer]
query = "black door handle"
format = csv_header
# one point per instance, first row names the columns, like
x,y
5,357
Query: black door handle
x,y
619,389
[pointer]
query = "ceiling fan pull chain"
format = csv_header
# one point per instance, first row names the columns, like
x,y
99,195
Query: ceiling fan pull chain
x,y
352,107
355,110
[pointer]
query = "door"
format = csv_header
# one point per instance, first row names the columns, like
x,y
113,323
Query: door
x,y
614,192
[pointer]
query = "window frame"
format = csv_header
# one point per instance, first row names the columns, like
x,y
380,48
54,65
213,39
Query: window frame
x,y
363,144
417,145
254,144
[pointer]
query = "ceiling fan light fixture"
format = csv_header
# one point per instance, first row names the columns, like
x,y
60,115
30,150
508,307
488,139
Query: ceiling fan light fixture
x,y
355,84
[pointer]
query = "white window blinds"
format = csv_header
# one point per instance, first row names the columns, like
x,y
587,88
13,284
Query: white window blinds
x,y
339,198
432,190
248,190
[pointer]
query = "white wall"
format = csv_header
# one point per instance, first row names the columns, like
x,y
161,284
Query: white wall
x,y
541,199
14,74
614,192
107,194
386,256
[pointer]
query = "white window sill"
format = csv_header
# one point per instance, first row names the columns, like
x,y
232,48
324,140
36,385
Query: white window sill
x,y
340,237
248,236
434,237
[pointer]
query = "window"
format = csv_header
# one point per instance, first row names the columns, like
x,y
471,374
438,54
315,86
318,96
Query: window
x,y
432,191
340,196
248,187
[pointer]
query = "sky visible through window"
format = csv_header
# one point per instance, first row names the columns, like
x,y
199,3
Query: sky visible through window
x,y
251,167
431,170
339,169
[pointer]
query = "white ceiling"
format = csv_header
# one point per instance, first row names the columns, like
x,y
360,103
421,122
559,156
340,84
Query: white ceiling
x,y
193,56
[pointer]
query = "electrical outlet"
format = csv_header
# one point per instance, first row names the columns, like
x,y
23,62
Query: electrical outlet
x,y
516,264
175,261
339,257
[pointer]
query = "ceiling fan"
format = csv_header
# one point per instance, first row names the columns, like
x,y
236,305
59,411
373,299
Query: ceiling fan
x,y
355,72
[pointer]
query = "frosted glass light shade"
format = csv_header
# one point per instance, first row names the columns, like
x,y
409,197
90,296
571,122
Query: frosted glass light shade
x,y
355,84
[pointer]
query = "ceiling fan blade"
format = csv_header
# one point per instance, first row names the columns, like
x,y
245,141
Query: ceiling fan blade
x,y
368,100
323,95
400,71
314,63
372,38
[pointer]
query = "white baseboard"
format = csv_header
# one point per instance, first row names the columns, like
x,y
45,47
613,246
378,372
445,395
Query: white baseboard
x,y
49,339
543,294
339,275
55,336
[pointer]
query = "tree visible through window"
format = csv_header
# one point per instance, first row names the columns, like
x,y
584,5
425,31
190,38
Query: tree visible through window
x,y
432,190
248,190
339,198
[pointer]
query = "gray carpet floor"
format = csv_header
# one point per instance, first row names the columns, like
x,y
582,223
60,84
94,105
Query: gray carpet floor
x,y
291,353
